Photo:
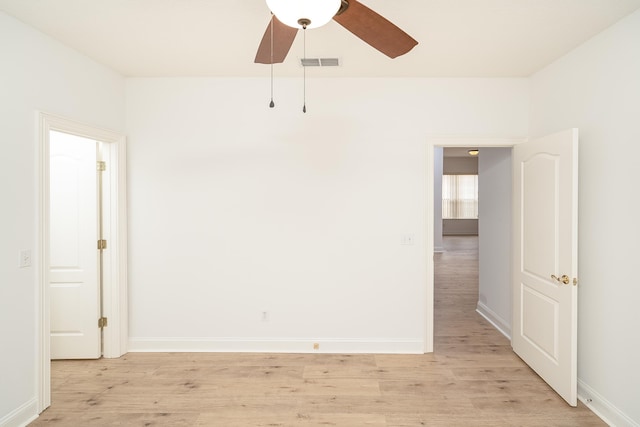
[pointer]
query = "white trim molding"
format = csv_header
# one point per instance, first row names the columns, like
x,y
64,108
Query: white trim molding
x,y
21,416
275,345
602,407
492,317
115,258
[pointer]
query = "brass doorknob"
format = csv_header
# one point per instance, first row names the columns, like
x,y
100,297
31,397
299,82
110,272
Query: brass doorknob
x,y
563,279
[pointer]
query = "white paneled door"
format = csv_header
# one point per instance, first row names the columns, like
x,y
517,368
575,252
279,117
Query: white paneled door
x,y
545,290
74,259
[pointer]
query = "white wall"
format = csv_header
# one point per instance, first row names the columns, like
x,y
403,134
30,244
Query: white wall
x,y
596,88
494,229
237,209
37,73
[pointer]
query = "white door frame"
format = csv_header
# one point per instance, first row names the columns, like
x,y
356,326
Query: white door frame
x,y
115,257
446,141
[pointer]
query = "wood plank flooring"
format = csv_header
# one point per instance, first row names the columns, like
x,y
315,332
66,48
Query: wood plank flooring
x,y
472,379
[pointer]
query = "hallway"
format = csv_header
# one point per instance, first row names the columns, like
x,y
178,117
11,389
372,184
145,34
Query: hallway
x,y
459,329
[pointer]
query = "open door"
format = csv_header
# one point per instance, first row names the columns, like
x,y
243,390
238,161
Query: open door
x,y
545,264
74,275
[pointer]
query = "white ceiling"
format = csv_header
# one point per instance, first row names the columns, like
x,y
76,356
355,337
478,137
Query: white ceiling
x,y
457,38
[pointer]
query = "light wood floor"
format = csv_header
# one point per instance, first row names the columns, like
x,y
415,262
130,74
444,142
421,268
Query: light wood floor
x,y
472,379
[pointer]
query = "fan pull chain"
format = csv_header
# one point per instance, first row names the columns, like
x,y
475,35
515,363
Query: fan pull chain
x,y
272,104
304,69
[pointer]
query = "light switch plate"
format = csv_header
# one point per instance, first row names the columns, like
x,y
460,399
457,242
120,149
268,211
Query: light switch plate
x,y
407,239
25,258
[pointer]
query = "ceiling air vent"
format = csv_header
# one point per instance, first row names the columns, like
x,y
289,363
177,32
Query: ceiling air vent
x,y
319,62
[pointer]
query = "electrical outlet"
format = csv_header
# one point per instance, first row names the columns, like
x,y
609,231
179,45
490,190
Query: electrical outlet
x,y
25,258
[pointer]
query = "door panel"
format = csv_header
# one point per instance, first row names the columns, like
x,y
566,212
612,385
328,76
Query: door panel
x,y
540,214
73,261
545,252
540,321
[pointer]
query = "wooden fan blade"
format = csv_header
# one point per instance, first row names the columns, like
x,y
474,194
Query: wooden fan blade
x,y
283,37
375,30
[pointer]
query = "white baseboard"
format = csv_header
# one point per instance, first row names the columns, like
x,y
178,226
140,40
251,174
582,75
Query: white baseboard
x,y
603,408
498,322
21,416
231,345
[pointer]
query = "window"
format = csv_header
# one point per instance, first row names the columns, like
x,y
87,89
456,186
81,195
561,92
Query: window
x,y
459,196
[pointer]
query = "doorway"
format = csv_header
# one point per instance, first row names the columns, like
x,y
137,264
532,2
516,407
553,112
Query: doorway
x,y
477,202
114,231
432,143
544,247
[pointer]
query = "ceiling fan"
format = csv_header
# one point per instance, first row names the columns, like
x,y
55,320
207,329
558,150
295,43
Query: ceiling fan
x,y
366,24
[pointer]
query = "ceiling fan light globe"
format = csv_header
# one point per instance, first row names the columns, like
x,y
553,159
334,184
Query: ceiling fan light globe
x,y
289,12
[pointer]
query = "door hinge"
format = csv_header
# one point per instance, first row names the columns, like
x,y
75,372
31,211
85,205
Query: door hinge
x,y
101,166
102,322
102,244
